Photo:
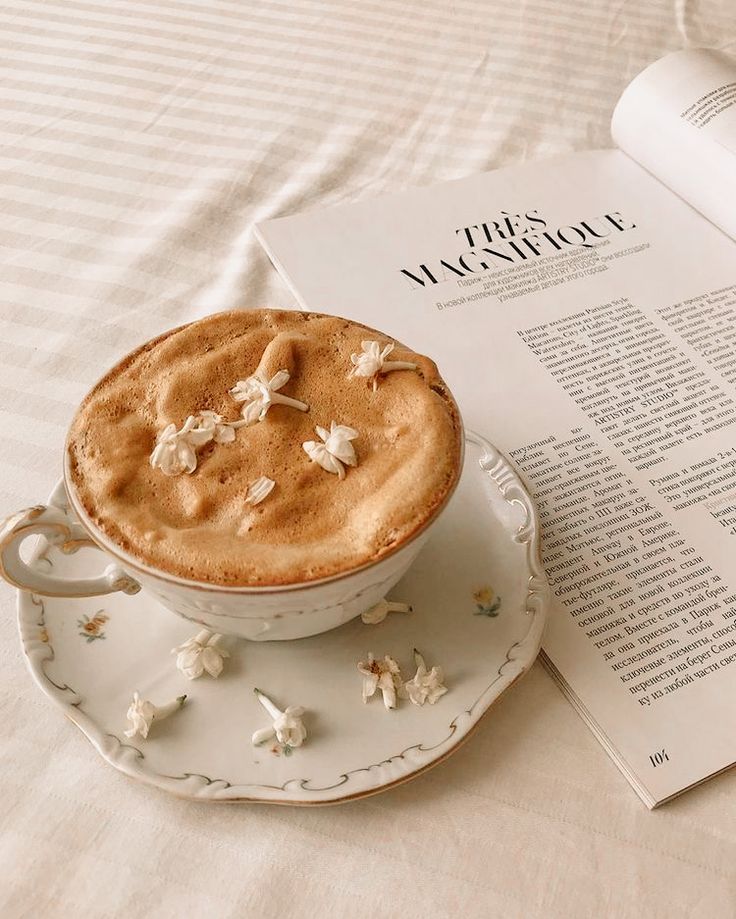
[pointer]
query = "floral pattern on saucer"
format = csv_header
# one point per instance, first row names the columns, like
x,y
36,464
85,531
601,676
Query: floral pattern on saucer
x,y
92,629
486,602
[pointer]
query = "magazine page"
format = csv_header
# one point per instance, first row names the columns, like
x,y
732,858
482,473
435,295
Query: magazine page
x,y
583,315
678,120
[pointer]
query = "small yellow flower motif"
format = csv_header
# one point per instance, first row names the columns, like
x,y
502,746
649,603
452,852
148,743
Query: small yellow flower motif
x,y
486,602
92,628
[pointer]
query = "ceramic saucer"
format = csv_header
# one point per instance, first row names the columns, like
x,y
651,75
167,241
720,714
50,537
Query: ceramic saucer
x,y
480,601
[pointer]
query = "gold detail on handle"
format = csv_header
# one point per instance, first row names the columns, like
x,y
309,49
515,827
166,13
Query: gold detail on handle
x,y
64,535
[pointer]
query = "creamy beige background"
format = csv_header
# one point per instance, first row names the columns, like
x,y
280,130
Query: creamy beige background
x,y
139,142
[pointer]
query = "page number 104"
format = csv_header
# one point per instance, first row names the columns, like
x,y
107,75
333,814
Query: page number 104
x,y
658,758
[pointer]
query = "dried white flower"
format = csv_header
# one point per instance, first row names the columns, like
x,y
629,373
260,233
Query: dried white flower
x,y
378,613
259,394
175,451
259,490
426,685
336,449
384,675
210,426
288,727
142,714
200,654
372,362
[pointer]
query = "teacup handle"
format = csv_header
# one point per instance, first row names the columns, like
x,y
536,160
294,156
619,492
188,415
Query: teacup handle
x,y
53,523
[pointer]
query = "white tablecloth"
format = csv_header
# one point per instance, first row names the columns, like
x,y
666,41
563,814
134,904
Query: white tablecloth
x,y
139,142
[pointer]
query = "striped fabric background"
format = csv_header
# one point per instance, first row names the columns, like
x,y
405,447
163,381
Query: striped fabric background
x,y
139,142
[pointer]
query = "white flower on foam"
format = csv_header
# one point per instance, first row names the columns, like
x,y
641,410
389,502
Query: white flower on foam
x,y
207,426
288,727
384,675
259,394
259,490
335,450
142,714
200,654
426,685
378,613
372,362
175,450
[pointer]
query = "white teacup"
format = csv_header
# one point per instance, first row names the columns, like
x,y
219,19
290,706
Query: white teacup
x,y
257,613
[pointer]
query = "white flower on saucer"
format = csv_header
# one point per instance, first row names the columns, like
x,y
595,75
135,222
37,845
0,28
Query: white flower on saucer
x,y
142,714
259,394
372,362
335,450
175,450
259,490
384,675
378,613
426,685
200,654
288,727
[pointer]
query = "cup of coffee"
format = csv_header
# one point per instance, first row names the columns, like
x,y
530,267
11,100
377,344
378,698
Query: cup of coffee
x,y
264,473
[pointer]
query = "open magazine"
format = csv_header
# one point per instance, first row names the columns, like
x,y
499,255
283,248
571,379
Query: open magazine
x,y
583,311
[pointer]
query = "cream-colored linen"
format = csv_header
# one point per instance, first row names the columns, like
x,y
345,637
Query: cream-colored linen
x,y
139,142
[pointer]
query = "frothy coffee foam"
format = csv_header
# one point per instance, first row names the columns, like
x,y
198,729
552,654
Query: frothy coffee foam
x,y
312,525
